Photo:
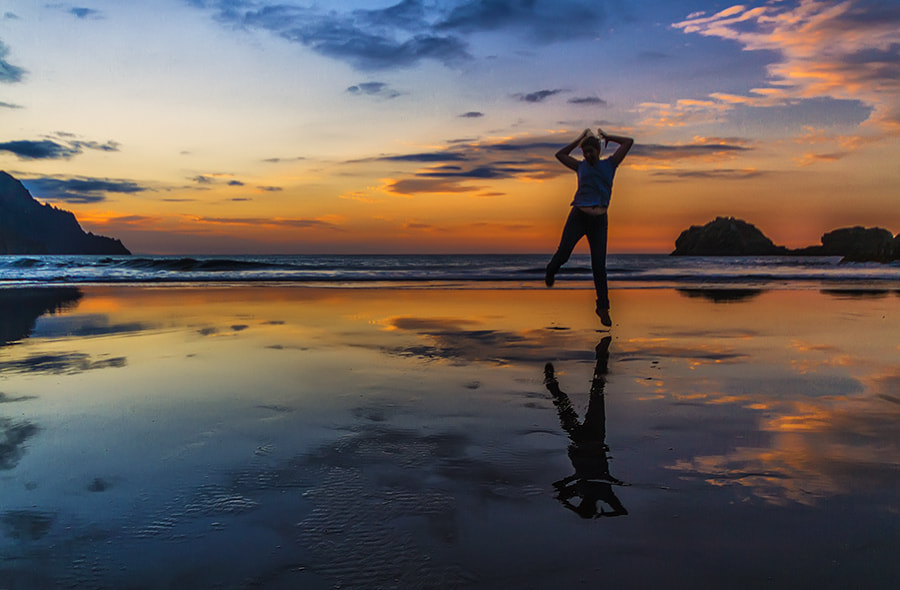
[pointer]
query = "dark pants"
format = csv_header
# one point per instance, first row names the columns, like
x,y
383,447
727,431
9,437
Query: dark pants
x,y
595,227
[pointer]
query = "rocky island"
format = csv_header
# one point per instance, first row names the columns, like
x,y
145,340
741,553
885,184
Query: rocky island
x,y
30,227
727,236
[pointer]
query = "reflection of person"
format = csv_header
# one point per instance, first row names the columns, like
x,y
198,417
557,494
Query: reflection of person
x,y
591,481
588,215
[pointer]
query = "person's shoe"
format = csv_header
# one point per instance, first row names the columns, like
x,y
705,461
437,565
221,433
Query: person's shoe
x,y
603,314
549,277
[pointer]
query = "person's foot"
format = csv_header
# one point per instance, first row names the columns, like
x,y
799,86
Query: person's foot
x,y
549,277
603,314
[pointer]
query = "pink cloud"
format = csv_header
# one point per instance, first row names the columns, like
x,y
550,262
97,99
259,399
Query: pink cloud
x,y
843,50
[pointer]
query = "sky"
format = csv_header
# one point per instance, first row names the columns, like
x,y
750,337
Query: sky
x,y
419,126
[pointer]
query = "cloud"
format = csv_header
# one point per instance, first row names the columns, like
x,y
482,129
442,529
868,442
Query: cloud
x,y
79,12
212,178
810,159
468,167
542,21
38,150
278,160
453,179
588,100
8,72
699,148
297,223
50,149
415,186
684,112
438,156
135,221
379,89
396,36
538,96
79,189
472,115
451,169
844,50
84,13
484,172
717,174
411,31
9,105
653,55
526,145
109,146
422,227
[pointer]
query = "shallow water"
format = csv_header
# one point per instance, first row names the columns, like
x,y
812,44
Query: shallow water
x,y
287,437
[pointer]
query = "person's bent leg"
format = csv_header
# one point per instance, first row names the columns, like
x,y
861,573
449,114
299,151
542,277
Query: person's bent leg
x,y
573,230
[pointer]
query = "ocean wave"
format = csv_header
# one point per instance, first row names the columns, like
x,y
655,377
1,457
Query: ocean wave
x,y
520,270
27,263
192,264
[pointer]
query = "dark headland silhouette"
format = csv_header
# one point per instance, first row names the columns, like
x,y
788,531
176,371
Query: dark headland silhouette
x,y
29,227
727,236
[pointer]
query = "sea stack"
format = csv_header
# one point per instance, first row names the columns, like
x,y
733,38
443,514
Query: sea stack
x,y
725,236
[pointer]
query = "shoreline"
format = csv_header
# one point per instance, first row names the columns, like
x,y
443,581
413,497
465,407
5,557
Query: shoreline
x,y
844,285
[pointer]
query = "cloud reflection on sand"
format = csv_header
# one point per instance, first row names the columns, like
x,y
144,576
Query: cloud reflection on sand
x,y
815,452
824,427
13,437
310,427
56,364
806,387
462,340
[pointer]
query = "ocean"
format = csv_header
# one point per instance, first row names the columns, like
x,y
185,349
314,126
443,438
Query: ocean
x,y
422,271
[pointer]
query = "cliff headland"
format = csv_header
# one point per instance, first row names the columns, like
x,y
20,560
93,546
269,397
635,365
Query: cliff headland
x,y
30,227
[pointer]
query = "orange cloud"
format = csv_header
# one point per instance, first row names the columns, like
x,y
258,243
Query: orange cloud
x,y
841,50
683,112
816,137
413,186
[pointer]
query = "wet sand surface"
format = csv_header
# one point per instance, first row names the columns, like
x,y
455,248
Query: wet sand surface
x,y
294,437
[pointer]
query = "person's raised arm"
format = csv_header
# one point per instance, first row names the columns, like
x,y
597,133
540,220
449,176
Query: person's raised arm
x,y
563,154
624,142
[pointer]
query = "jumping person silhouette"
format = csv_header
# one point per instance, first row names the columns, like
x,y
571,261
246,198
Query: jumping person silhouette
x,y
588,215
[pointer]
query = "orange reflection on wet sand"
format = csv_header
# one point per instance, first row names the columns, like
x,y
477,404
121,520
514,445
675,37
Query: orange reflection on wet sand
x,y
811,372
220,413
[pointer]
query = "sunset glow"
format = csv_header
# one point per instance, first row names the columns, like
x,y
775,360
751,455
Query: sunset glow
x,y
264,126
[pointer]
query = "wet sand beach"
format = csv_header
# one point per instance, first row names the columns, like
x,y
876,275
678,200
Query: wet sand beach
x,y
298,437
